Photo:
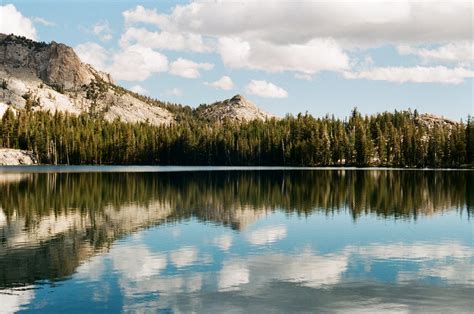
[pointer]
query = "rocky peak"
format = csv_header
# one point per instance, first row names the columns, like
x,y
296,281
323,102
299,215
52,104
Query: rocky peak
x,y
56,64
431,120
51,77
237,108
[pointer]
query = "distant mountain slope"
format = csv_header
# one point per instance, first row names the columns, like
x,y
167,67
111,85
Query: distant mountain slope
x,y
238,108
52,77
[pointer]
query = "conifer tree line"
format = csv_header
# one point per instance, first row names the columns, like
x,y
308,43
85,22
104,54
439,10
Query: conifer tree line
x,y
399,139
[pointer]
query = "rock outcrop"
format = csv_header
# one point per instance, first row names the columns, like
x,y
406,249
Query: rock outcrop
x,y
16,157
431,120
238,108
52,77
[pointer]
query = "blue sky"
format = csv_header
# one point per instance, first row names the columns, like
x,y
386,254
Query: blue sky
x,y
287,57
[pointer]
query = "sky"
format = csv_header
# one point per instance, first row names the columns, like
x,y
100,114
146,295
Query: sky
x,y
320,57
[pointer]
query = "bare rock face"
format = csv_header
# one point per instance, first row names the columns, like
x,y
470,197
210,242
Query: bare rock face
x,y
52,77
16,157
431,120
238,108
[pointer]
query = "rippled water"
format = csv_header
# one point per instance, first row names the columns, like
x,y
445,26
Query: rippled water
x,y
236,241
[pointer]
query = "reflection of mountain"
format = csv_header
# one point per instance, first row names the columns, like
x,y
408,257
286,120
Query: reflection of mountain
x,y
50,223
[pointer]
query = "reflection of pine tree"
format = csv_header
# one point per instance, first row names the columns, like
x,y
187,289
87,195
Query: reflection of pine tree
x,y
216,194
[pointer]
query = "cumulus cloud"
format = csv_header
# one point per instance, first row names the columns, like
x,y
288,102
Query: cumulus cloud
x,y
309,58
417,74
453,52
308,36
141,15
188,69
356,22
164,40
224,83
265,89
93,54
102,30
134,63
13,22
137,63
139,90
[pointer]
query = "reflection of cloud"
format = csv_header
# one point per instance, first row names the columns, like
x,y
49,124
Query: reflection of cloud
x,y
415,251
12,300
224,242
92,270
306,268
184,257
376,308
267,235
137,262
232,275
310,270
454,272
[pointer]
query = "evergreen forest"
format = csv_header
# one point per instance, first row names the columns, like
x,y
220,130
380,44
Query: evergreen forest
x,y
398,139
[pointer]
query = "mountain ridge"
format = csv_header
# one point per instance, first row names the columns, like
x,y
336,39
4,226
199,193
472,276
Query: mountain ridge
x,y
52,77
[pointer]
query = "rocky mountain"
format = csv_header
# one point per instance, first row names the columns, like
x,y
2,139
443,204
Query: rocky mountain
x,y
237,108
52,77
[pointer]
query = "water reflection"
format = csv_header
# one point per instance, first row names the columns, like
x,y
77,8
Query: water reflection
x,y
215,241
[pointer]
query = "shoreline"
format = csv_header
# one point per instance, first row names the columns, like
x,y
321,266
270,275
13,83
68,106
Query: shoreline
x,y
157,168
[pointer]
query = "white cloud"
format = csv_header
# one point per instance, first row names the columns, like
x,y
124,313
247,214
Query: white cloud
x,y
310,57
356,22
134,63
418,74
175,92
137,63
102,30
13,22
267,235
142,15
265,89
139,90
452,52
224,83
164,40
43,21
188,69
92,54
306,37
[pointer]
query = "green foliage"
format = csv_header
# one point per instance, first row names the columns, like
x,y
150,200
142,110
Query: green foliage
x,y
386,139
14,39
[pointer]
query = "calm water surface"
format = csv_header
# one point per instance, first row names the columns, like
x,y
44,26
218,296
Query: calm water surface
x,y
236,241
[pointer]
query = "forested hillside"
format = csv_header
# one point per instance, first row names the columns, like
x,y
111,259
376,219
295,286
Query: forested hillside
x,y
399,139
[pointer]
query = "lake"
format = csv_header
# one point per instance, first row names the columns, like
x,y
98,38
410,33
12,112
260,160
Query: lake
x,y
158,239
